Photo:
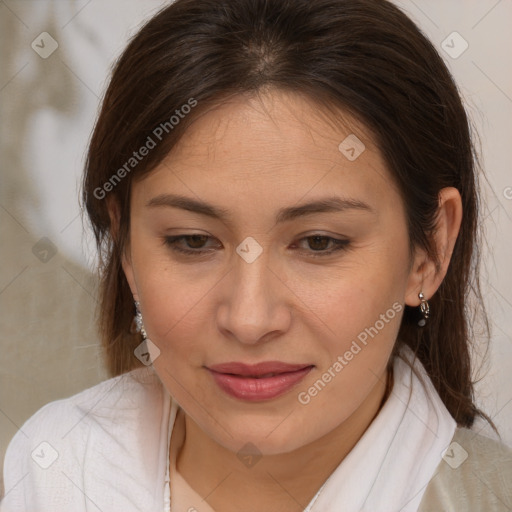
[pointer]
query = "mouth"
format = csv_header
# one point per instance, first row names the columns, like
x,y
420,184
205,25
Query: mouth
x,y
262,381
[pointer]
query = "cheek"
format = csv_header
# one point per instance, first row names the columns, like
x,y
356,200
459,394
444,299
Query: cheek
x,y
359,309
175,312
347,299
175,319
173,298
361,322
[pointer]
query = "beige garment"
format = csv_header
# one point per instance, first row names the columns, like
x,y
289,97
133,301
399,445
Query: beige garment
x,y
474,476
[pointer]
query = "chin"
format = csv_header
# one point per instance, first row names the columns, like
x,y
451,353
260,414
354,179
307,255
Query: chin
x,y
266,437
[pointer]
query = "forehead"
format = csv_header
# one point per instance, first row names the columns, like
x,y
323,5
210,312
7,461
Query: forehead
x,y
274,146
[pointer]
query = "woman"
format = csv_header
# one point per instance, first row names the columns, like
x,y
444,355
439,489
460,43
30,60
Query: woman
x,y
285,202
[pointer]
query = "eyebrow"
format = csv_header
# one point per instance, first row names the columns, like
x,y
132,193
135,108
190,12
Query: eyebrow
x,y
323,205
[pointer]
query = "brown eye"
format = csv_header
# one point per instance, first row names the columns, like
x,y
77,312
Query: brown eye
x,y
318,243
192,244
323,245
196,241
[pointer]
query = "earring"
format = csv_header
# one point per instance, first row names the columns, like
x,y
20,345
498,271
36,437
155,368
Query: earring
x,y
424,308
138,320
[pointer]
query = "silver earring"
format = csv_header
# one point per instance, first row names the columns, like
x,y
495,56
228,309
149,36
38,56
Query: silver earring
x,y
138,320
424,308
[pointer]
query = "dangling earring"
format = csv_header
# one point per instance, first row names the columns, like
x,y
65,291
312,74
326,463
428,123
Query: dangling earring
x,y
424,308
146,352
138,321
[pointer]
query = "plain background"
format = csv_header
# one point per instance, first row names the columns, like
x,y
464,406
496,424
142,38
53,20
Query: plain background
x,y
49,346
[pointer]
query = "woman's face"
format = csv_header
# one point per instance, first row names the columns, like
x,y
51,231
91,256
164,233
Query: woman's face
x,y
268,278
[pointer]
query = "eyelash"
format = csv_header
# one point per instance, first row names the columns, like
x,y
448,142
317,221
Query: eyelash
x,y
171,242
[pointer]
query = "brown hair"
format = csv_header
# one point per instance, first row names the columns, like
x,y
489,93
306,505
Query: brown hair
x,y
364,57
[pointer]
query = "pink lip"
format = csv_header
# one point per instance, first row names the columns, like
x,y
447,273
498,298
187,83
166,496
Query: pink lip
x,y
244,381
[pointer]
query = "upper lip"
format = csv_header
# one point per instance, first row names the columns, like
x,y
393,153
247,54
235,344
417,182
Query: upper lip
x,y
256,370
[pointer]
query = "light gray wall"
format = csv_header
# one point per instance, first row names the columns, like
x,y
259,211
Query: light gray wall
x,y
49,346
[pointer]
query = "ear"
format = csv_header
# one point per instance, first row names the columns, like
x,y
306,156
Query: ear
x,y
115,220
425,275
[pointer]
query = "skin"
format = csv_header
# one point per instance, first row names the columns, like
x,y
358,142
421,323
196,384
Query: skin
x,y
251,157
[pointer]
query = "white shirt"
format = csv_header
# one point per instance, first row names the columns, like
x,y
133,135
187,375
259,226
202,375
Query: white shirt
x,y
107,449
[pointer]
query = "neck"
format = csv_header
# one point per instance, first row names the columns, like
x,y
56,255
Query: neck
x,y
286,482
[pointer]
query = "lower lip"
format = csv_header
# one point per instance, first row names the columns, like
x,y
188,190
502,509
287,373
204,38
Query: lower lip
x,y
253,390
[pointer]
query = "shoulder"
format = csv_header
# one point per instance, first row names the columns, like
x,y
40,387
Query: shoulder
x,y
474,474
92,431
108,401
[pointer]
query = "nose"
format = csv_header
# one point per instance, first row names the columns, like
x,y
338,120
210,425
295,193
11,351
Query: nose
x,y
256,302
